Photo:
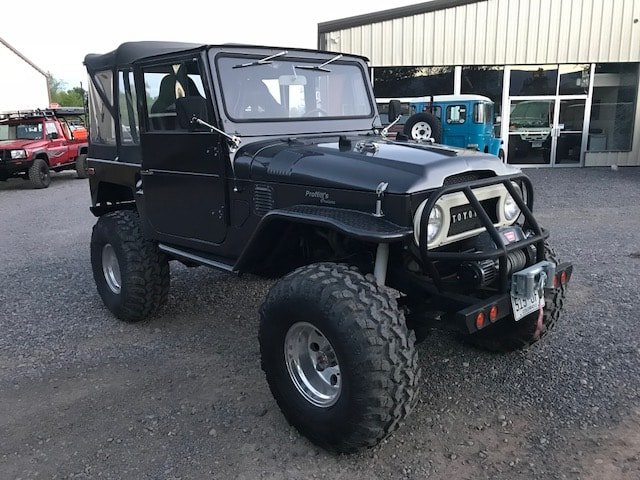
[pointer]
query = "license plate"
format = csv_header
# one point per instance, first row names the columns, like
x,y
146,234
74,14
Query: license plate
x,y
536,144
525,306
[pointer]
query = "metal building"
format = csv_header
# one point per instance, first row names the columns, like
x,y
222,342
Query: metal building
x,y
23,86
564,74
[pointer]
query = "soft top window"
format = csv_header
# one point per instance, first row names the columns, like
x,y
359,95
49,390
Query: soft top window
x,y
102,129
292,89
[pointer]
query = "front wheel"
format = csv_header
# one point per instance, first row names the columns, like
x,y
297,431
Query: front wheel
x,y
338,357
509,335
131,274
39,174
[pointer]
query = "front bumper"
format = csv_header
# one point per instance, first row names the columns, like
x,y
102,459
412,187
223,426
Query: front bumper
x,y
9,168
465,319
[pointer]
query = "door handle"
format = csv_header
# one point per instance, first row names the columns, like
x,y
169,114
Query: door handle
x,y
146,172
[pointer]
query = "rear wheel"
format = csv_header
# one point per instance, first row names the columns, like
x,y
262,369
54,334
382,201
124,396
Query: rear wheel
x,y
338,356
131,274
39,174
509,335
81,165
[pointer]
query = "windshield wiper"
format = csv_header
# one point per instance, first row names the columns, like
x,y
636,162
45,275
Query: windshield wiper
x,y
320,67
262,61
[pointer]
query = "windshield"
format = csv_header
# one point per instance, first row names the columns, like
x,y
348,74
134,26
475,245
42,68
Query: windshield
x,y
286,90
21,131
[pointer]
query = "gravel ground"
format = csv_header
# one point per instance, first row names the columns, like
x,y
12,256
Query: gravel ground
x,y
182,396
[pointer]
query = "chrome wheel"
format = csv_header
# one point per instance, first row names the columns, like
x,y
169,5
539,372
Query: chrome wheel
x,y
312,364
111,268
421,131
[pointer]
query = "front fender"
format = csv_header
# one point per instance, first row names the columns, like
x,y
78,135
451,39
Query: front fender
x,y
352,223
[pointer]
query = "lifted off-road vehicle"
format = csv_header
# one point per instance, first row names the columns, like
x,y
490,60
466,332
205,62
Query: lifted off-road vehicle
x,y
272,161
34,142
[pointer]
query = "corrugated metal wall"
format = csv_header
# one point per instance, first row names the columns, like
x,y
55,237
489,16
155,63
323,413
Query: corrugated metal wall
x,y
506,32
501,32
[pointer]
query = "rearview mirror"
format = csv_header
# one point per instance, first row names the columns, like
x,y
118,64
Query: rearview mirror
x,y
395,110
287,80
188,108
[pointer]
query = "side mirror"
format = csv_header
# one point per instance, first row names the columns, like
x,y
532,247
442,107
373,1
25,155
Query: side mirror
x,y
395,110
52,136
188,108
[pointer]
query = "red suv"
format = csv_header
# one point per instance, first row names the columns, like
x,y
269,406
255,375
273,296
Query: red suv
x,y
32,143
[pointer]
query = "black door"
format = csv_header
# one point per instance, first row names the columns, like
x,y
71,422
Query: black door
x,y
182,171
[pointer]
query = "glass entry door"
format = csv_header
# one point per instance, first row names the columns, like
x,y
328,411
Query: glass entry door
x,y
531,123
546,130
569,131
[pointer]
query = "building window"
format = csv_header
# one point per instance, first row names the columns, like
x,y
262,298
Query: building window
x,y
484,80
574,79
533,80
615,92
399,82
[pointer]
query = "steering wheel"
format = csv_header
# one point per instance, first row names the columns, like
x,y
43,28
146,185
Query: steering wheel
x,y
319,111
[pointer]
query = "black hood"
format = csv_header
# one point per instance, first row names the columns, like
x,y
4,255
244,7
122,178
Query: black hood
x,y
360,164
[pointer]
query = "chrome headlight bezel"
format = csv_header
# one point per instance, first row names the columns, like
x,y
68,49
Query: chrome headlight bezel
x,y
510,209
18,154
434,225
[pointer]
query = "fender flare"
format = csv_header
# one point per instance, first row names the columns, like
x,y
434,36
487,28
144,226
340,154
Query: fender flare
x,y
41,153
352,223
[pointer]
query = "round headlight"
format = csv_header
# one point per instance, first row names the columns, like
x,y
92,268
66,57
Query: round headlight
x,y
511,209
435,223
434,226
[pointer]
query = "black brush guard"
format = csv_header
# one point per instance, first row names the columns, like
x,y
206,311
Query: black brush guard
x,y
463,306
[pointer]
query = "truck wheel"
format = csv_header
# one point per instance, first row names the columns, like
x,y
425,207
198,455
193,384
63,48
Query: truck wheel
x,y
509,335
338,357
81,165
39,174
131,274
423,126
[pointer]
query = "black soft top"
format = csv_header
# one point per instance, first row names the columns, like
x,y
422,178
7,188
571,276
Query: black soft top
x,y
129,52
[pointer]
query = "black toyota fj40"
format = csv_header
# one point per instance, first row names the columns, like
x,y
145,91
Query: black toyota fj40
x,y
272,161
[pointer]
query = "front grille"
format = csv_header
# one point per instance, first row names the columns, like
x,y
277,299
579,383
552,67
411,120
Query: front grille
x,y
465,218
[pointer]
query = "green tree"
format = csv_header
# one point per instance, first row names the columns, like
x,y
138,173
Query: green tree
x,y
65,98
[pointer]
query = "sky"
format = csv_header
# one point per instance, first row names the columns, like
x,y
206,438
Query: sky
x,y
70,30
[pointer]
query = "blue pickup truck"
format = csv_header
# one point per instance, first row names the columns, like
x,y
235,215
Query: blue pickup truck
x,y
465,121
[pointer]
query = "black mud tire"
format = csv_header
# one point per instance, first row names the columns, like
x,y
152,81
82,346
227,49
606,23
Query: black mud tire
x,y
39,174
375,350
144,269
424,118
509,335
81,166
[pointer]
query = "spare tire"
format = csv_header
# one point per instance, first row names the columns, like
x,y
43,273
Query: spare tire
x,y
423,126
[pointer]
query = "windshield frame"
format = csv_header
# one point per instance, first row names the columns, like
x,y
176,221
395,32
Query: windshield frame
x,y
257,126
294,59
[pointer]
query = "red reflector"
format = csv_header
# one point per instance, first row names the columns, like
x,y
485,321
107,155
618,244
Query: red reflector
x,y
493,313
480,320
564,278
91,171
